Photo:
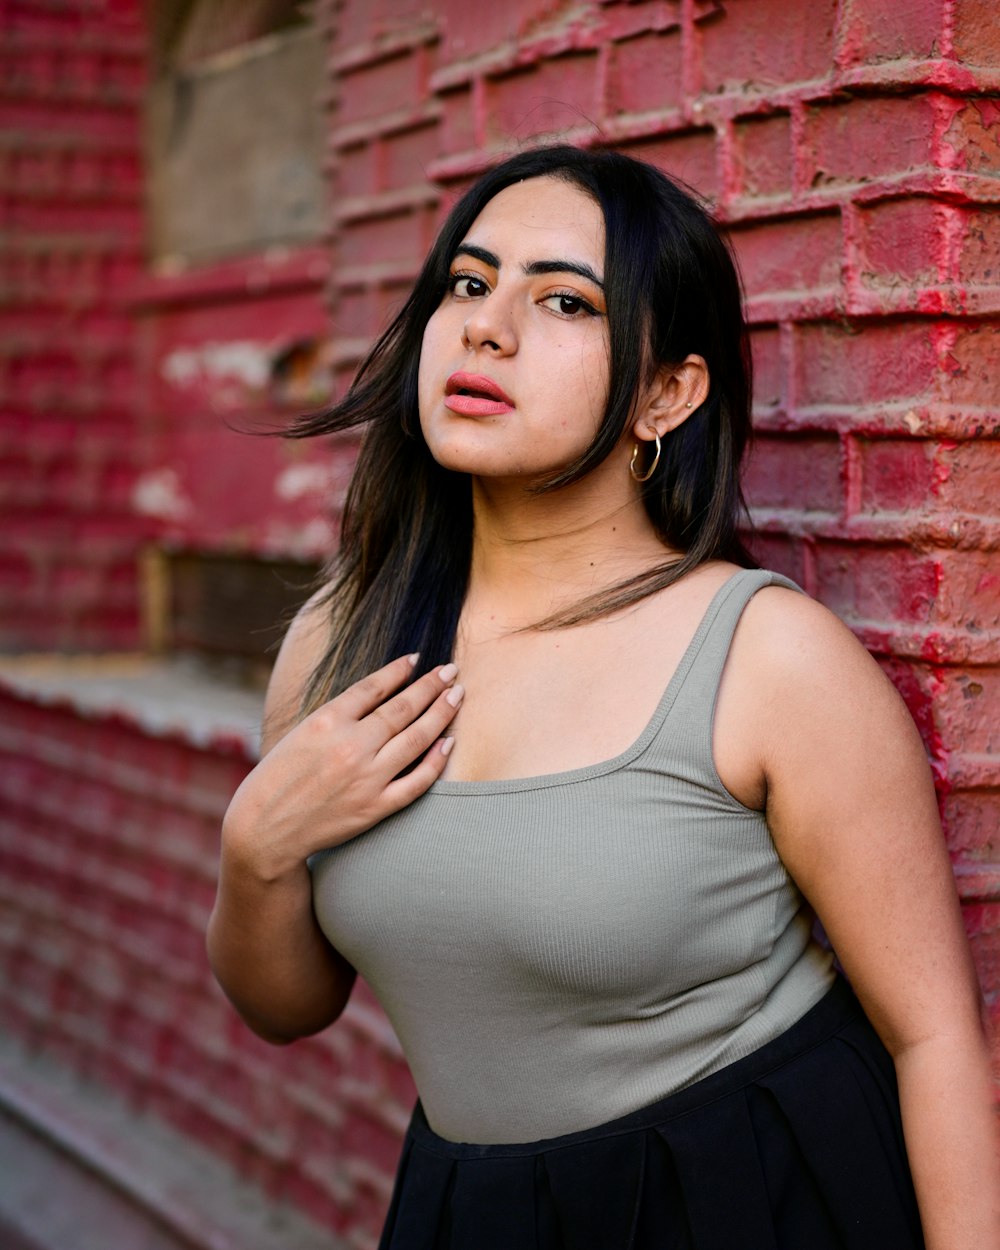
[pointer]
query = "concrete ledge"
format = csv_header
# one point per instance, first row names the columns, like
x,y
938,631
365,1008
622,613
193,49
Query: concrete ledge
x,y
80,1169
176,697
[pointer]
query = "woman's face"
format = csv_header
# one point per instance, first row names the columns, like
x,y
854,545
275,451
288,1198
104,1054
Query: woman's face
x,y
514,368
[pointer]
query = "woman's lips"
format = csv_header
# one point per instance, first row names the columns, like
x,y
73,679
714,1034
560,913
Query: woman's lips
x,y
473,395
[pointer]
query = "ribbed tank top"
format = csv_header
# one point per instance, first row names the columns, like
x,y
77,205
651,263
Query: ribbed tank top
x,y
558,951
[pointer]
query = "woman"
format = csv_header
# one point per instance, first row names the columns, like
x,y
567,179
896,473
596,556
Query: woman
x,y
580,889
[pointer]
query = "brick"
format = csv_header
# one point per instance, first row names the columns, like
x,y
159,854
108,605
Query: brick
x,y
965,706
869,31
473,29
762,156
802,473
895,585
389,299
16,574
971,365
971,141
757,44
896,475
903,241
406,156
646,73
56,217
458,123
357,171
782,554
888,585
625,21
374,90
976,34
689,156
973,822
353,313
551,96
982,923
357,22
979,255
382,240
969,594
966,478
799,256
769,368
887,362
867,138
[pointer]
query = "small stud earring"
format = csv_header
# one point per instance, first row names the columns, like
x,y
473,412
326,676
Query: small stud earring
x,y
688,404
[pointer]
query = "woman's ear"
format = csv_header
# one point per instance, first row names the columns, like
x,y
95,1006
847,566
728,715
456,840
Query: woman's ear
x,y
673,395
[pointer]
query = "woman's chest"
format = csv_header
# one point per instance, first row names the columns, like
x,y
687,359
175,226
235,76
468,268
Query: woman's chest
x,y
623,882
549,702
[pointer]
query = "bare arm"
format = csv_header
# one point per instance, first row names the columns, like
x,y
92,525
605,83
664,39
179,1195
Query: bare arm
x,y
851,807
329,778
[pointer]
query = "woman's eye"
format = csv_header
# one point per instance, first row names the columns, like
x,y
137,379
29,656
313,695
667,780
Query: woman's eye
x,y
468,286
569,305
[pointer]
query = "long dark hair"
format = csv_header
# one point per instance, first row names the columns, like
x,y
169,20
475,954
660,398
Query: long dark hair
x,y
400,578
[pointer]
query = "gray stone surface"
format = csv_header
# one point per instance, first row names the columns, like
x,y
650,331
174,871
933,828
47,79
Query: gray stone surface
x,y
79,1170
175,696
236,150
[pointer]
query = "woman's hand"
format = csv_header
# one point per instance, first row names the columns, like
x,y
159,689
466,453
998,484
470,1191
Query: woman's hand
x,y
337,773
331,777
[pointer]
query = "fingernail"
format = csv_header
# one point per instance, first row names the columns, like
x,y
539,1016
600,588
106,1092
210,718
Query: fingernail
x,y
454,695
449,672
446,745
413,658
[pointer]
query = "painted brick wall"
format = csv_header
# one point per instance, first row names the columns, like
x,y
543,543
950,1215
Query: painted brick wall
x,y
108,852
853,151
209,338
71,80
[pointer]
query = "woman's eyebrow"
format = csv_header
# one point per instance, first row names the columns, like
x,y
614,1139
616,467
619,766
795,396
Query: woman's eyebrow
x,y
534,267
478,253
563,266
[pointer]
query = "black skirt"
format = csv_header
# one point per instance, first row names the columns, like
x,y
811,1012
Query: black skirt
x,y
799,1146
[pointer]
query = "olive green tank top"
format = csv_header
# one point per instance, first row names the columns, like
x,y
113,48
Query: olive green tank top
x,y
558,951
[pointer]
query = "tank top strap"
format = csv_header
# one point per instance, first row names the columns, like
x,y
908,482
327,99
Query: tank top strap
x,y
686,729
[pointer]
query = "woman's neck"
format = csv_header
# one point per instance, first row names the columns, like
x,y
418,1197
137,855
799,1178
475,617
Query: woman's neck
x,y
533,555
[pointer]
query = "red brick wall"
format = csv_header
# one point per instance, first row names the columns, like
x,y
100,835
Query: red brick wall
x,y
208,338
108,852
71,81
852,150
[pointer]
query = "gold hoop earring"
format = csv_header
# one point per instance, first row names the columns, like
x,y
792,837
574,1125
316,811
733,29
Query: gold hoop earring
x,y
644,477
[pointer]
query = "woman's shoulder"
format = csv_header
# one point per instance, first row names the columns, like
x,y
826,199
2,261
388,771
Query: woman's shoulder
x,y
799,663
789,630
801,698
304,645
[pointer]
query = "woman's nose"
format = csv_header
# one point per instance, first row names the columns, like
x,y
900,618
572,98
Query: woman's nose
x,y
490,327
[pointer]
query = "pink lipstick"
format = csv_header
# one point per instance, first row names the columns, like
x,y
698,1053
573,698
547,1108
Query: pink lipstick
x,y
473,395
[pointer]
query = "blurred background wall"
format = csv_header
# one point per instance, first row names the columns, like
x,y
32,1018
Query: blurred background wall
x,y
207,210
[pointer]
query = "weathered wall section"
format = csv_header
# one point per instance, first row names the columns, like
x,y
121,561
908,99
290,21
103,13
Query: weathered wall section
x,y
108,855
71,189
853,150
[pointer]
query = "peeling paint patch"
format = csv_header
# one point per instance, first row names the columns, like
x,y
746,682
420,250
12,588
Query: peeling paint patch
x,y
160,494
243,362
299,480
316,540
